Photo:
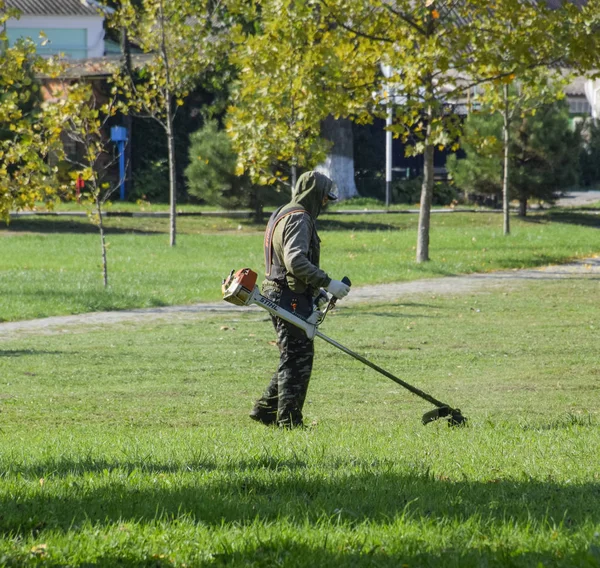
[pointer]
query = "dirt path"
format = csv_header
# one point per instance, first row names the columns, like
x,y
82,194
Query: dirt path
x,y
579,198
586,268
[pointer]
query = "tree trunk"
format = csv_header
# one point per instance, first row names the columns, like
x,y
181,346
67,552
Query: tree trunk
x,y
388,154
426,195
172,179
294,176
257,206
505,196
339,164
127,121
102,243
523,207
170,133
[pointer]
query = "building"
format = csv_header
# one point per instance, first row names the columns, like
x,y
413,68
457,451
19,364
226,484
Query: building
x,y
72,28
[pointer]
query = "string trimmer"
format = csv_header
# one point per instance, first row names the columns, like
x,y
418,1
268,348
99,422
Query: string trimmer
x,y
240,288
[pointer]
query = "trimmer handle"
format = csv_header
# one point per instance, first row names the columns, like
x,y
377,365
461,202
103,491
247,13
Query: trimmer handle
x,y
333,300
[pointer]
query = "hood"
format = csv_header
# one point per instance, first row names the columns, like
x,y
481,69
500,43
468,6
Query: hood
x,y
310,190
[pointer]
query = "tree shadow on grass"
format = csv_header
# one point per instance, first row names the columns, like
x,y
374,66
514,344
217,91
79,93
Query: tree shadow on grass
x,y
355,552
545,261
571,218
403,315
357,226
27,352
274,491
383,311
568,217
68,226
83,303
532,263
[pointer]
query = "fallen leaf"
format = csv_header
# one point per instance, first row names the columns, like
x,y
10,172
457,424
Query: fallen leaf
x,y
39,549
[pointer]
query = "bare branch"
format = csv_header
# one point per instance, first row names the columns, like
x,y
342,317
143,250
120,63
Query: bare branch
x,y
355,31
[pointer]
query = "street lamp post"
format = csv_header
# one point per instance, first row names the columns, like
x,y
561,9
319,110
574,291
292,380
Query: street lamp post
x,y
118,134
388,155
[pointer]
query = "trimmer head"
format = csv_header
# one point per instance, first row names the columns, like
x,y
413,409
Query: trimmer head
x,y
454,416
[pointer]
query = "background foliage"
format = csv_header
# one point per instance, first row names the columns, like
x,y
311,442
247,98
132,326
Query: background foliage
x,y
543,155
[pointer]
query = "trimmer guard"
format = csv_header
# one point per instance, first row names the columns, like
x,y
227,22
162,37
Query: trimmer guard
x,y
454,416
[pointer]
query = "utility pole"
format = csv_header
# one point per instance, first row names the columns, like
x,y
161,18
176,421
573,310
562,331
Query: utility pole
x,y
127,121
388,155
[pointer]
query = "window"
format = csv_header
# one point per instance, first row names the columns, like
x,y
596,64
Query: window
x,y
579,106
71,42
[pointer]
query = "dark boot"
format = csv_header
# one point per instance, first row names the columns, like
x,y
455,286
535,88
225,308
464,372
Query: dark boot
x,y
265,408
263,414
290,422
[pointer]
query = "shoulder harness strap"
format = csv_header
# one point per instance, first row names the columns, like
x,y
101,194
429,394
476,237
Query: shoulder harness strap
x,y
277,216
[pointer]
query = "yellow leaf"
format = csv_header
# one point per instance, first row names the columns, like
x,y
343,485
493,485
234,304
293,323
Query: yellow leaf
x,y
435,14
39,550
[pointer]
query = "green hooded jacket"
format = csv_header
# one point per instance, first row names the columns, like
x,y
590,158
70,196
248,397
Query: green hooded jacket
x,y
295,241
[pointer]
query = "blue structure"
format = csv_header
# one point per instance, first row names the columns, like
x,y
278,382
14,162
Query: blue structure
x,y
118,134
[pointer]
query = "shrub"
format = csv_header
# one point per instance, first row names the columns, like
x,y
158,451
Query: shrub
x,y
543,154
151,182
409,191
211,171
589,157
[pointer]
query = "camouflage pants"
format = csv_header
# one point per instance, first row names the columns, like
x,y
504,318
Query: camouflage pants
x,y
285,394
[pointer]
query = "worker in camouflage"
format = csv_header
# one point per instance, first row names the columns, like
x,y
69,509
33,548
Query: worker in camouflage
x,y
293,281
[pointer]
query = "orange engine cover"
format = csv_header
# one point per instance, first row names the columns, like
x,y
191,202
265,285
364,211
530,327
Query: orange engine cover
x,y
246,277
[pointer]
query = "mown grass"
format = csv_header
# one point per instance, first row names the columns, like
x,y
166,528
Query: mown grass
x,y
51,266
130,445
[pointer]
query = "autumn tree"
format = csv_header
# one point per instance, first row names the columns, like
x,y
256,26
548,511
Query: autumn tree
x,y
534,65
438,51
29,133
293,75
180,39
84,121
312,58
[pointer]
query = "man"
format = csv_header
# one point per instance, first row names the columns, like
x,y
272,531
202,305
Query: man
x,y
293,281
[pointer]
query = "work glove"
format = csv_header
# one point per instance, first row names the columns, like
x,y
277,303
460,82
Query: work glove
x,y
322,299
338,289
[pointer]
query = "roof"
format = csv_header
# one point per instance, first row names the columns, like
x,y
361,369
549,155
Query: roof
x,y
55,7
98,66
559,3
576,86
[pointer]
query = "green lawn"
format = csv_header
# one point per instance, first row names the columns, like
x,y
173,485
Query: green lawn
x,y
129,445
51,266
